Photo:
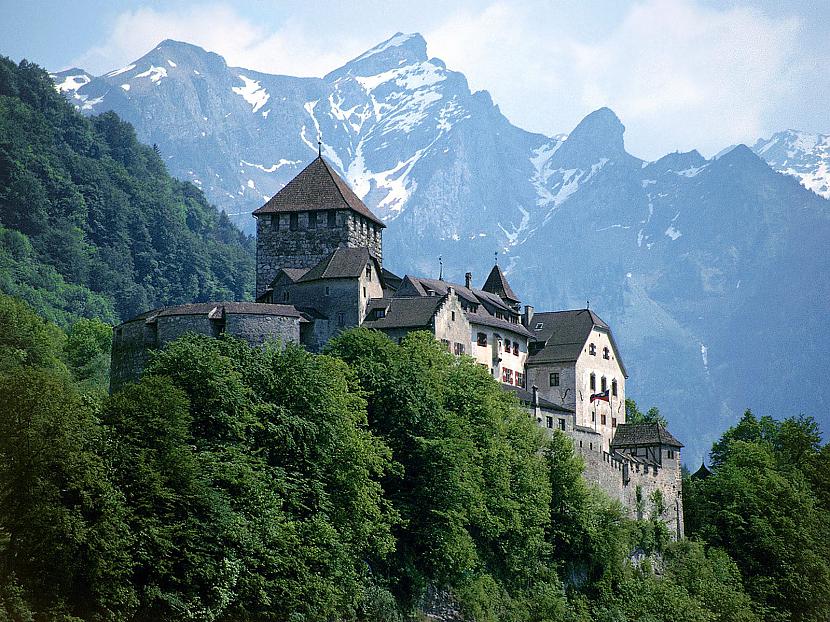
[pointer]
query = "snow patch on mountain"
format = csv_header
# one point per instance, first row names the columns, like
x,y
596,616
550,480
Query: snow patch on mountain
x,y
120,71
274,167
252,92
72,83
154,73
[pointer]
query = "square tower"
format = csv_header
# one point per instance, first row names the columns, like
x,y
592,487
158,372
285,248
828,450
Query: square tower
x,y
313,215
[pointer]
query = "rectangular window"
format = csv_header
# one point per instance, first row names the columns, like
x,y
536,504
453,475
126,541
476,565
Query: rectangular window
x,y
553,380
459,349
368,272
670,453
364,292
312,220
341,319
593,382
562,424
515,348
606,354
446,343
327,290
379,313
507,375
482,339
539,325
453,316
549,422
613,422
520,379
592,350
275,222
332,218
293,221
603,384
614,388
603,420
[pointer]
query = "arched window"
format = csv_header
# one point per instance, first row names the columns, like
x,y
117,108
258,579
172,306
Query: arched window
x,y
592,350
593,382
603,384
606,354
614,387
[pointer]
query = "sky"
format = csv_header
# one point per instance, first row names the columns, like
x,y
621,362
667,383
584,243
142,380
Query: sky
x,y
680,74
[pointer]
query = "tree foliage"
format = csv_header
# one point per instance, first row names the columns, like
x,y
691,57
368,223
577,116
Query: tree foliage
x,y
373,482
91,224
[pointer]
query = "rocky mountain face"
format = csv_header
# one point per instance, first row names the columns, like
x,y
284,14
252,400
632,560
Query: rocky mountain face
x,y
800,154
711,272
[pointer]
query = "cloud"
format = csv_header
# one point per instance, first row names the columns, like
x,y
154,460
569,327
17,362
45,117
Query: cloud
x,y
291,49
679,75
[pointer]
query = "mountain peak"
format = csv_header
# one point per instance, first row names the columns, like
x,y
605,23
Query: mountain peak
x,y
598,135
399,49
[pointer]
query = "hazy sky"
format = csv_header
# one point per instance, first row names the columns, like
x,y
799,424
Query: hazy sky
x,y
681,74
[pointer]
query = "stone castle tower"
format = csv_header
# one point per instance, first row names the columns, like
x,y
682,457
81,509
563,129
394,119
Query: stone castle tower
x,y
313,215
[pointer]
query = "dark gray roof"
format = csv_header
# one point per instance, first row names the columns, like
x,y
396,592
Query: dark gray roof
x,y
339,264
702,472
564,334
219,309
496,283
316,187
473,296
486,319
295,274
526,397
404,312
641,434
392,280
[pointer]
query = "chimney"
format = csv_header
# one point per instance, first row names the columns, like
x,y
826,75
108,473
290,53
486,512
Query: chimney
x,y
535,390
527,317
430,292
468,280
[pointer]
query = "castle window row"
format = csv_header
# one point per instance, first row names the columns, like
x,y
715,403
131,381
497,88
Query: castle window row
x,y
592,382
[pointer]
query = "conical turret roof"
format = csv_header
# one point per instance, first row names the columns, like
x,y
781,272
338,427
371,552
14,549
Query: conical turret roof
x,y
496,283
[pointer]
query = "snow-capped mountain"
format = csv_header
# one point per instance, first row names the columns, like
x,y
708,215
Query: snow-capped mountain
x,y
802,155
712,272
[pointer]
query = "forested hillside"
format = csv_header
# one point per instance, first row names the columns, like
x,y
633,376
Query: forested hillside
x,y
91,223
380,481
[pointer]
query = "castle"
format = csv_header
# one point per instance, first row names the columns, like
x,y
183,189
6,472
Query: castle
x,y
319,270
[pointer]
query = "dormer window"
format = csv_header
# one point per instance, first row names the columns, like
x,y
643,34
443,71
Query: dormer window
x,y
606,354
379,313
539,325
592,350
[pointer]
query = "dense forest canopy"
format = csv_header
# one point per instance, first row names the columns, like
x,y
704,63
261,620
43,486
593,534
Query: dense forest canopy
x,y
91,224
372,482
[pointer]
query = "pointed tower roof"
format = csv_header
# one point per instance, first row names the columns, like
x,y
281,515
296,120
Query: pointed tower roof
x,y
702,472
316,187
496,283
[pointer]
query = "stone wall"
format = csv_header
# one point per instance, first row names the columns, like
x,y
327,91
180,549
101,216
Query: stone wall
x,y
279,245
302,239
135,339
